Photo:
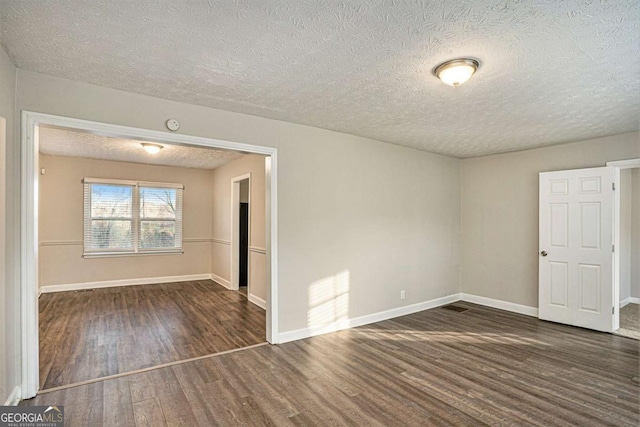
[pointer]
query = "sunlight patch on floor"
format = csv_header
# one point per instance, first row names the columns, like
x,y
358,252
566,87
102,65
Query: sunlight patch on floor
x,y
443,336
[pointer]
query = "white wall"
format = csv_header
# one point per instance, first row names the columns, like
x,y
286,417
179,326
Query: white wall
x,y
635,233
357,217
500,213
9,344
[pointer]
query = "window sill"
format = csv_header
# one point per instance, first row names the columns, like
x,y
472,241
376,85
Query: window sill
x,y
130,254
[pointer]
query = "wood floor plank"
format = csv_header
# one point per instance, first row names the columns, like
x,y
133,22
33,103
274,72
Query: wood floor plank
x,y
172,398
91,334
142,388
117,406
148,413
437,367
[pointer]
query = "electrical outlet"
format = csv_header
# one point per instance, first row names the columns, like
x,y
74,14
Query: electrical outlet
x,y
402,294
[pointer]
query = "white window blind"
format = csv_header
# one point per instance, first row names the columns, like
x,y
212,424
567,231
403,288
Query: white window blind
x,y
122,217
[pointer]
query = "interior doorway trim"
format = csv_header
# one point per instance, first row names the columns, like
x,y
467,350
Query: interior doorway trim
x,y
625,164
27,248
617,236
234,271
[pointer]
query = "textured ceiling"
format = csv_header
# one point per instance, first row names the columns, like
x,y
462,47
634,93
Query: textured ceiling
x,y
551,71
65,142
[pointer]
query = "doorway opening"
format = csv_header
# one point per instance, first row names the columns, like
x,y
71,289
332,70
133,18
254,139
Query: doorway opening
x,y
241,197
589,270
133,211
627,248
243,237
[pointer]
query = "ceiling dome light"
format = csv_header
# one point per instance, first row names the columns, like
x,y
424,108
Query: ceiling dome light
x,y
456,71
151,148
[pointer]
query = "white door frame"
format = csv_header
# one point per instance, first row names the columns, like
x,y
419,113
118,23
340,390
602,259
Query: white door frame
x,y
618,165
234,272
27,247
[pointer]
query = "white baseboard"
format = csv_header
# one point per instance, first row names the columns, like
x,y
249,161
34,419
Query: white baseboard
x,y
14,397
365,320
629,300
126,282
257,301
502,305
220,280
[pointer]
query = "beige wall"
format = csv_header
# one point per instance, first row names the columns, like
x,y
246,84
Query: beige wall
x,y
357,217
9,292
500,213
244,191
3,241
635,234
222,176
626,230
61,222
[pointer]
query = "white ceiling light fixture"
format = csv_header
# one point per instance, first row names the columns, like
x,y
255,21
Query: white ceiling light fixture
x,y
151,148
456,71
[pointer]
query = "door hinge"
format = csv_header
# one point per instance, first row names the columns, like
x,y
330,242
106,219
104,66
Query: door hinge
x,y
613,310
613,248
613,186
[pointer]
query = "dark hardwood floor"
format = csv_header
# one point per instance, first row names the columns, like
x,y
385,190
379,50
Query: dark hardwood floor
x,y
92,334
437,367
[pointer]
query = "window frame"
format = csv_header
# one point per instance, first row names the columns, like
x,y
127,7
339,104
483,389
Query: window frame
x,y
136,218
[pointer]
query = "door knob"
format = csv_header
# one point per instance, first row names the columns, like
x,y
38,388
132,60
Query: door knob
x,y
543,253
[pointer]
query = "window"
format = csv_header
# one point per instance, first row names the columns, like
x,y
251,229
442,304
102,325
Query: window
x,y
129,217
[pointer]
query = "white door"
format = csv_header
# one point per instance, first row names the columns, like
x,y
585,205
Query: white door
x,y
576,247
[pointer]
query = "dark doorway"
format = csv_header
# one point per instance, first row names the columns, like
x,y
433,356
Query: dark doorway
x,y
244,247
